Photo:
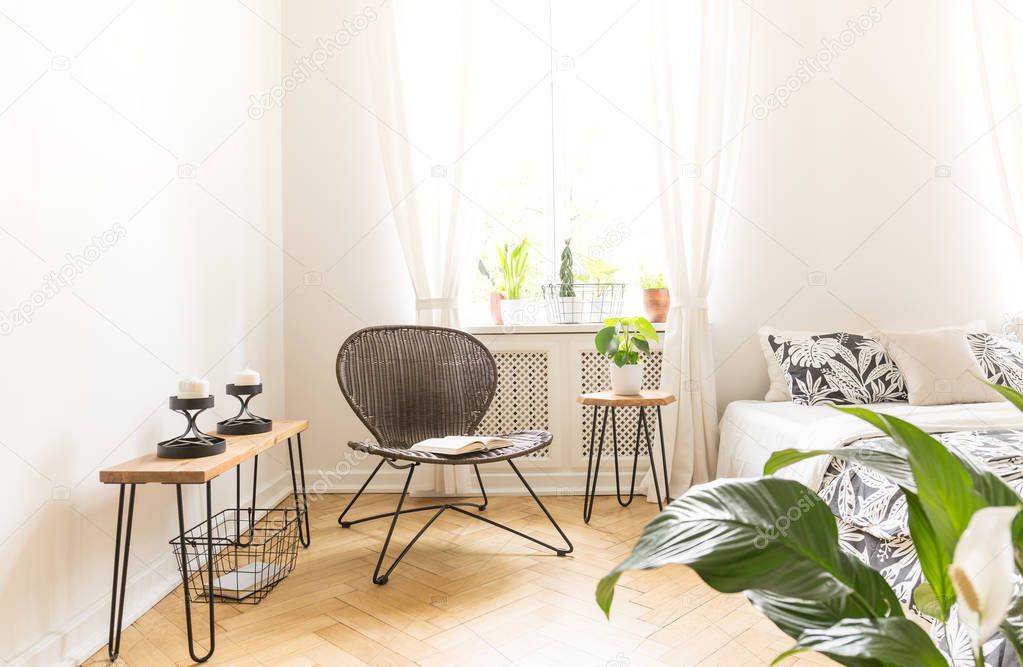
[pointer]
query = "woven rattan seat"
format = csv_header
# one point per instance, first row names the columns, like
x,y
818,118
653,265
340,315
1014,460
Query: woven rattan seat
x,y
524,442
410,383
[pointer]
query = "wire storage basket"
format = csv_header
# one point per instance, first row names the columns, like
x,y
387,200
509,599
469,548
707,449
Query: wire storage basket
x,y
253,550
584,303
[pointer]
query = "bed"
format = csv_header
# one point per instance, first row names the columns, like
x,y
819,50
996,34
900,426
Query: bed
x,y
870,511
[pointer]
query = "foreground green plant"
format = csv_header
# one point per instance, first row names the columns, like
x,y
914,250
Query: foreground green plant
x,y
777,542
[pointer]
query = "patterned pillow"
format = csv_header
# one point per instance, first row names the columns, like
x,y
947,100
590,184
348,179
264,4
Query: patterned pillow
x,y
839,369
1000,357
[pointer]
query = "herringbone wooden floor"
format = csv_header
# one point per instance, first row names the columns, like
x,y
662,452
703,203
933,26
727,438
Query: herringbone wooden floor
x,y
470,594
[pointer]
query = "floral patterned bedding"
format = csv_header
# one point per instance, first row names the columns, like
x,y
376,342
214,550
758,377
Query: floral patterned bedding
x,y
871,514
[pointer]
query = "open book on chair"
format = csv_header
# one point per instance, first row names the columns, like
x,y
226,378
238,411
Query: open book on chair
x,y
459,444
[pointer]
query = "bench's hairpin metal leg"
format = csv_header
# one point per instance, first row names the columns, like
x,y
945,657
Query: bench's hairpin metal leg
x,y
120,573
209,574
238,501
589,493
381,579
303,509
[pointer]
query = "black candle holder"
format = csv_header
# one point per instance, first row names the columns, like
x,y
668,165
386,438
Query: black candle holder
x,y
193,443
244,423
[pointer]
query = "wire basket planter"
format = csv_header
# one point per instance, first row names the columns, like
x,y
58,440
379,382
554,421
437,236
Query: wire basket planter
x,y
250,556
592,302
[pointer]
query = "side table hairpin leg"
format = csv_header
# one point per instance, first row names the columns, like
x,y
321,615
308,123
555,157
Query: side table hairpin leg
x,y
117,592
301,510
589,493
238,501
664,459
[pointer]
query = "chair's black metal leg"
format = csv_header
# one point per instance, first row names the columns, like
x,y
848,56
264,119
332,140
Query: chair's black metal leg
x,y
664,458
591,492
560,552
380,580
483,489
117,592
650,452
302,510
209,574
238,500
341,519
635,457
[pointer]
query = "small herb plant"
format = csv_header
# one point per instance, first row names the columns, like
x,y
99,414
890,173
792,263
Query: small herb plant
x,y
623,338
513,268
566,272
652,280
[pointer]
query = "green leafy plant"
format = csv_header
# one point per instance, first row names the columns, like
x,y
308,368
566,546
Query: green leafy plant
x,y
598,270
566,272
623,338
652,280
513,262
965,523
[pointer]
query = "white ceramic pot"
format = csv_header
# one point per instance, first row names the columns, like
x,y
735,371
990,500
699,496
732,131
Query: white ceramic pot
x,y
627,380
519,311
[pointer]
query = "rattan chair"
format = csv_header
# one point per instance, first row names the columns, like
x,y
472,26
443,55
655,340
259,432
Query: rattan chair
x,y
409,383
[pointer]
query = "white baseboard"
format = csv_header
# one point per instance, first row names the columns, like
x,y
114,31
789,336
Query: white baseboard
x,y
85,634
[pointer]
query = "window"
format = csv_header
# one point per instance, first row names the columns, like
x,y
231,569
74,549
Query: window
x,y
558,140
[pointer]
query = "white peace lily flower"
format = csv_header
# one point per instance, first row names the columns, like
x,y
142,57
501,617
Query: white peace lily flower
x,y
981,572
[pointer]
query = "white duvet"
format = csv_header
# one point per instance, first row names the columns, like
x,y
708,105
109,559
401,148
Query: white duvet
x,y
752,430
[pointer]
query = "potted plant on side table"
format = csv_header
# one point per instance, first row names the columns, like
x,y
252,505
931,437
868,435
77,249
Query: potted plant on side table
x,y
620,341
656,299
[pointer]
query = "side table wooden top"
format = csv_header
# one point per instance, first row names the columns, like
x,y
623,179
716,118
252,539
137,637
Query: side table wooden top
x,y
151,468
643,399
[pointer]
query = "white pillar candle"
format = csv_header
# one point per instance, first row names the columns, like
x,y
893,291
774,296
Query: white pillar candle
x,y
193,388
247,377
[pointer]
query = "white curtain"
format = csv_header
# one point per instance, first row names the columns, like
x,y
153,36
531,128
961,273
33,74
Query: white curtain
x,y
700,93
421,143
1000,54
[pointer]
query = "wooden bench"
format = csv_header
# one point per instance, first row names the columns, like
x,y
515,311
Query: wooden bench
x,y
150,469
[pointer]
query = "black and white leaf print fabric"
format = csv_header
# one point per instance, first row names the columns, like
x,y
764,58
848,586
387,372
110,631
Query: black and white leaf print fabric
x,y
838,369
1000,357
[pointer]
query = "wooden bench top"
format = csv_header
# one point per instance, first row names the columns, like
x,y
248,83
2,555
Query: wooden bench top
x,y
644,398
240,448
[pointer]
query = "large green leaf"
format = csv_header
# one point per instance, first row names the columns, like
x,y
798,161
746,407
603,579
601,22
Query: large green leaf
x,y
1012,626
605,341
944,486
771,534
889,641
1010,395
883,456
934,560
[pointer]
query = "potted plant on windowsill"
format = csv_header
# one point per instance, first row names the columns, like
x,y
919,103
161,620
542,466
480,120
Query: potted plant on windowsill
x,y
513,261
570,303
620,341
656,299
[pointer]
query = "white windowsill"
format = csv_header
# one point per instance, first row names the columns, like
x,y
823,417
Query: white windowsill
x,y
526,329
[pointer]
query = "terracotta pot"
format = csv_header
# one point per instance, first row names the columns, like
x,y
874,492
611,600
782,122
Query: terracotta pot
x,y
495,307
656,303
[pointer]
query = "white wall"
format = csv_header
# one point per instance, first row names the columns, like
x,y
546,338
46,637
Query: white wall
x,y
130,120
829,233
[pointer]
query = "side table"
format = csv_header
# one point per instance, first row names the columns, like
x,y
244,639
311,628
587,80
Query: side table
x,y
610,402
